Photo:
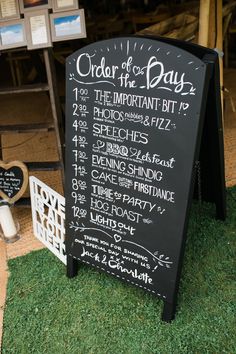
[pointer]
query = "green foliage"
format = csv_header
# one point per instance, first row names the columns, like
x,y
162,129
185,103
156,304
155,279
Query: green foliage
x,y
96,313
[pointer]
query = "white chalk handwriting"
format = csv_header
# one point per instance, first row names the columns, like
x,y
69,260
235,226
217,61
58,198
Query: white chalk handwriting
x,y
153,74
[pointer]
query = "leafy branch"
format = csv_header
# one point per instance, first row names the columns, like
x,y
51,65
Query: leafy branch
x,y
76,226
162,260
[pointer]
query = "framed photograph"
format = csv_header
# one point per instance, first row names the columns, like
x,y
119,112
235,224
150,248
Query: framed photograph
x,y
64,5
37,29
68,25
31,5
12,34
9,9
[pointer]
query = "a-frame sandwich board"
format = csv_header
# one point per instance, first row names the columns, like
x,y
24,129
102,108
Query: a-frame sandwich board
x,y
129,99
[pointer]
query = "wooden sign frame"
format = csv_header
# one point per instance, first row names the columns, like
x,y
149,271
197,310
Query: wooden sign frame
x,y
25,9
57,8
16,15
29,17
61,15
16,44
8,165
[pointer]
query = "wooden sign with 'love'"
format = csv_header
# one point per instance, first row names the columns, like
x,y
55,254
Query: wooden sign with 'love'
x,y
13,180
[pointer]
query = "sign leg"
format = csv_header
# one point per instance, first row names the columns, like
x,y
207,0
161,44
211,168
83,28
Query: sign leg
x,y
168,313
72,267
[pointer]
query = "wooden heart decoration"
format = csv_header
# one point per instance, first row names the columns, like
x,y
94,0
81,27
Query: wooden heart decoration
x,y
13,180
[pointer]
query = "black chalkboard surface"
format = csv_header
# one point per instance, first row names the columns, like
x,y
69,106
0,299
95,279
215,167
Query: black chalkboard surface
x,y
135,112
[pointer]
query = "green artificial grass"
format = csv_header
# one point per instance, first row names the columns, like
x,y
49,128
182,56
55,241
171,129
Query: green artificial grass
x,y
95,313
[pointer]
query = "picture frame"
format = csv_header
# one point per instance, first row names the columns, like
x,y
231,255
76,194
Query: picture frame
x,y
12,34
64,5
38,29
9,10
32,5
68,25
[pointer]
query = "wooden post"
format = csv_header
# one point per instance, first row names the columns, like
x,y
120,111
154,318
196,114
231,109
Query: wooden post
x,y
72,266
204,14
1,148
55,104
207,29
219,45
169,310
212,25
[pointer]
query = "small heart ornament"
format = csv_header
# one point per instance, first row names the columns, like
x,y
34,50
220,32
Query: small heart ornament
x,y
117,238
185,106
13,180
133,151
137,70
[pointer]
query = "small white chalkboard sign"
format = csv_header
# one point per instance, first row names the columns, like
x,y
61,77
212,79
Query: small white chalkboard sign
x,y
48,214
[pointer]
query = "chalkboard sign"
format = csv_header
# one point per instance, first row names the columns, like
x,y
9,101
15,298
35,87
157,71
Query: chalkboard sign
x,y
13,180
135,109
